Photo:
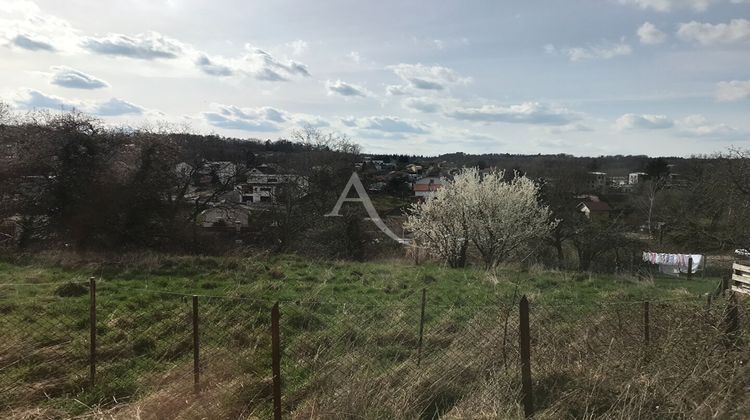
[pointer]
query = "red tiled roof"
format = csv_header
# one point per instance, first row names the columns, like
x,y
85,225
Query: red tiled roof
x,y
597,205
427,187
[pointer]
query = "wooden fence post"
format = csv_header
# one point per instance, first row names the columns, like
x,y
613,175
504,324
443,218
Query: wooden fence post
x,y
421,326
527,394
92,327
196,348
646,322
276,361
731,321
690,268
725,284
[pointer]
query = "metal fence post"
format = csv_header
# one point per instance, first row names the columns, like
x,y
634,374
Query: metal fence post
x,y
527,394
690,268
92,328
646,322
421,326
196,348
276,361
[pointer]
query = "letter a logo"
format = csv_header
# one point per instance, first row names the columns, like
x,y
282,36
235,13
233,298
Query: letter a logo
x,y
363,198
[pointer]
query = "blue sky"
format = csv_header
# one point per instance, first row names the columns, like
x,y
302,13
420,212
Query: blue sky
x,y
587,77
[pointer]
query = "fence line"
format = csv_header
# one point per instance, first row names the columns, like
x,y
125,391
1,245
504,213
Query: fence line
x,y
435,340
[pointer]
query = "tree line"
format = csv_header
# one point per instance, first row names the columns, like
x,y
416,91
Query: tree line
x,y
68,180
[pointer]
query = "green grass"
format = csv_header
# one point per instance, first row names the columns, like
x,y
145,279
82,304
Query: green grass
x,y
331,310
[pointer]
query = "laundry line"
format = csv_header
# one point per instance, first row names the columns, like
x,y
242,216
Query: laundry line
x,y
675,264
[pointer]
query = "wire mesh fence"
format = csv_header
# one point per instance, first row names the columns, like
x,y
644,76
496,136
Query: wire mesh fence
x,y
44,344
164,354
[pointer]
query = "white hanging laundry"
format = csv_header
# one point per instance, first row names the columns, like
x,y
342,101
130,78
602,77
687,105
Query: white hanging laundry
x,y
674,264
697,259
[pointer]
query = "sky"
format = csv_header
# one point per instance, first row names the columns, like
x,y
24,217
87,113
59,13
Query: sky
x,y
583,77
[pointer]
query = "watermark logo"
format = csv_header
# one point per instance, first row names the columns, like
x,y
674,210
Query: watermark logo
x,y
363,198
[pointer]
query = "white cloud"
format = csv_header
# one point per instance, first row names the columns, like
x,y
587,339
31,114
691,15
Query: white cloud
x,y
525,113
212,67
71,78
603,50
34,99
396,90
423,77
24,26
256,63
734,90
302,120
425,105
387,124
345,89
649,34
700,126
116,107
298,47
643,121
264,66
31,30
668,5
258,119
29,42
568,128
262,119
145,46
736,31
696,126
21,7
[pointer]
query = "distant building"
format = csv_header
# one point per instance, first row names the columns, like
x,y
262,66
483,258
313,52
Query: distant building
x,y
208,173
425,188
636,177
597,181
263,184
619,183
414,169
595,210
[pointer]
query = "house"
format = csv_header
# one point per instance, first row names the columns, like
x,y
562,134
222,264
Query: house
x,y
620,184
414,169
211,172
636,177
597,181
594,209
264,183
425,188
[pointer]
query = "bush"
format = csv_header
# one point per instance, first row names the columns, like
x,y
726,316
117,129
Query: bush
x,y
72,290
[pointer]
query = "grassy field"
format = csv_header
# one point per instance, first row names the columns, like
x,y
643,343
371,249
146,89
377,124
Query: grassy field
x,y
349,332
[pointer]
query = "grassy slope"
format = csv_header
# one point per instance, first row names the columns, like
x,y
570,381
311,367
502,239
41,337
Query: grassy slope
x,y
142,333
292,278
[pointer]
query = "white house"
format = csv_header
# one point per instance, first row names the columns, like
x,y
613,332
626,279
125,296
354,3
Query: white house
x,y
264,183
636,177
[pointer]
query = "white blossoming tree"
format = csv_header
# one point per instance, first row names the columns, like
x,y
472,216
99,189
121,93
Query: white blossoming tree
x,y
499,217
